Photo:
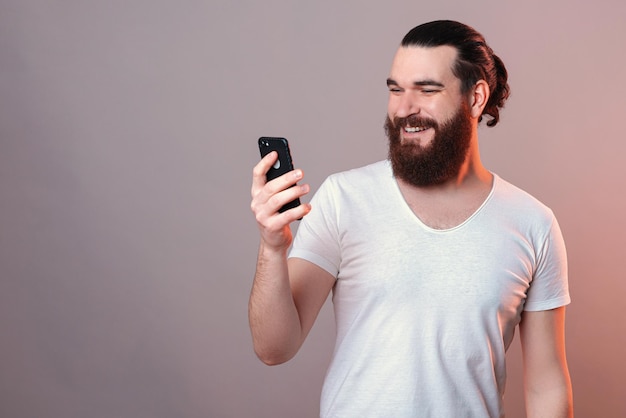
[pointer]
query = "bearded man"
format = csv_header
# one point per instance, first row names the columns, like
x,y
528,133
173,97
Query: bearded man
x,y
432,259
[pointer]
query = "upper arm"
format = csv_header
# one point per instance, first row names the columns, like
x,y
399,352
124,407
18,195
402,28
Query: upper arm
x,y
310,287
542,334
546,376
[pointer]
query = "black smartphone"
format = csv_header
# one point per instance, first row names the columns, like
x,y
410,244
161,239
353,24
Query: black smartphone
x,y
283,165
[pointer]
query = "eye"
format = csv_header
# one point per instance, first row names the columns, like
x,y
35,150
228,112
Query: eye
x,y
430,90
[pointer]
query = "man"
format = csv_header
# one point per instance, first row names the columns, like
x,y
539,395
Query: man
x,y
432,259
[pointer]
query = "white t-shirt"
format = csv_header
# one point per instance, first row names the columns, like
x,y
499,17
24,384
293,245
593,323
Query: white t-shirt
x,y
424,316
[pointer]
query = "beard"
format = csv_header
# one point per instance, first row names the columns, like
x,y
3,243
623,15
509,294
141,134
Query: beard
x,y
437,162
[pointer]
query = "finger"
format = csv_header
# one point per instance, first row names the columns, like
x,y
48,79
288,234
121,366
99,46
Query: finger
x,y
278,200
260,170
279,221
283,182
296,213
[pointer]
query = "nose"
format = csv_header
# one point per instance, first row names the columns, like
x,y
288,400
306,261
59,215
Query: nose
x,y
406,105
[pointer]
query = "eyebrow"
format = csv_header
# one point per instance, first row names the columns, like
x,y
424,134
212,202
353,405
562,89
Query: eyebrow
x,y
427,82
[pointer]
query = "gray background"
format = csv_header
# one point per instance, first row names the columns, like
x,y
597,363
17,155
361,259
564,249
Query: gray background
x,y
127,137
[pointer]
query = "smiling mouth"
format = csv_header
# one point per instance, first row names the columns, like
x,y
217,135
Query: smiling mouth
x,y
414,129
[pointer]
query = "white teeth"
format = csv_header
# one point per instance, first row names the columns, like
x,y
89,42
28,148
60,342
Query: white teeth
x,y
415,129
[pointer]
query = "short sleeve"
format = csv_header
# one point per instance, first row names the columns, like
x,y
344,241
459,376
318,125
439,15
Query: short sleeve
x,y
317,238
549,288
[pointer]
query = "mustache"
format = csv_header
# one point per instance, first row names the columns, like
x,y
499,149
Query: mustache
x,y
414,121
393,127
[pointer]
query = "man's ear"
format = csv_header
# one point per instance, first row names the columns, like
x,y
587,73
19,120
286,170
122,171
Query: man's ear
x,y
479,95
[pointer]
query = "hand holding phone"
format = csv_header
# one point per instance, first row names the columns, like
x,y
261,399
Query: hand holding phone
x,y
283,164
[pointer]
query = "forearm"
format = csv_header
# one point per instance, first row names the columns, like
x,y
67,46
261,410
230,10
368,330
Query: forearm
x,y
274,319
550,402
547,381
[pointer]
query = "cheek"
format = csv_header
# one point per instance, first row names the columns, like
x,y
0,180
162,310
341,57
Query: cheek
x,y
392,107
446,111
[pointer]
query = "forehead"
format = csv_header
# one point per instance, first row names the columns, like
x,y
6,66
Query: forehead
x,y
414,63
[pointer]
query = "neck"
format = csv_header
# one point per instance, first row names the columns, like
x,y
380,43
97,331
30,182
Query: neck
x,y
472,172
449,204
471,176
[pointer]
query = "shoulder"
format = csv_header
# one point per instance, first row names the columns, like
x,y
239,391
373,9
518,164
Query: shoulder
x,y
360,186
515,200
379,171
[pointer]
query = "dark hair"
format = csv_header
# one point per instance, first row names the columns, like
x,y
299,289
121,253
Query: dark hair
x,y
475,60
